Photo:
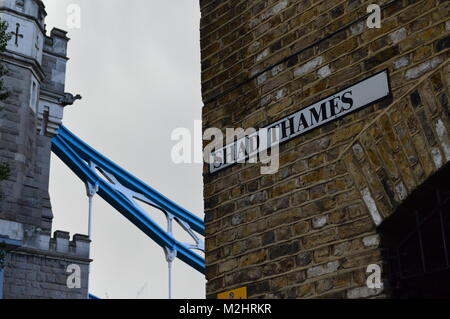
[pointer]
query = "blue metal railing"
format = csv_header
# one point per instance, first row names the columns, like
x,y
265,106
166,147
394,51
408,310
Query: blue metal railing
x,y
92,168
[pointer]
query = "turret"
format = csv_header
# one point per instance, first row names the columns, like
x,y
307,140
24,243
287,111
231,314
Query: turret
x,y
36,65
26,26
29,119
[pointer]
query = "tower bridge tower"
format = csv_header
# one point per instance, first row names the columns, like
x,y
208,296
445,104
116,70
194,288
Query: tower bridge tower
x,y
35,263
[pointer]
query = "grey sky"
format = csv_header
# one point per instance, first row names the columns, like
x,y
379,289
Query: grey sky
x,y
137,65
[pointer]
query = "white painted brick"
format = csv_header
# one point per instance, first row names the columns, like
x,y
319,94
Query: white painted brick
x,y
401,191
398,35
323,269
363,292
402,62
370,203
423,68
277,69
332,266
274,10
437,157
307,67
281,94
262,55
324,71
443,138
262,78
320,221
371,241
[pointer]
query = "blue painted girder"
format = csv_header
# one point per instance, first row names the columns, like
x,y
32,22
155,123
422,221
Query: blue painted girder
x,y
77,155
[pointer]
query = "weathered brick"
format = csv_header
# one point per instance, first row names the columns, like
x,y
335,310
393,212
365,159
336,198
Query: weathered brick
x,y
382,57
253,258
422,68
284,188
309,229
362,292
284,250
319,238
304,259
322,269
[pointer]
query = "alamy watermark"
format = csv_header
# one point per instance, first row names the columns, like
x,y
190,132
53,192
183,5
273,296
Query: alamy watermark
x,y
374,19
374,279
73,16
236,146
74,276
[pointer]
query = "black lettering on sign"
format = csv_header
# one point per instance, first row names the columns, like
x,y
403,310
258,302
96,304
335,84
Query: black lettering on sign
x,y
353,98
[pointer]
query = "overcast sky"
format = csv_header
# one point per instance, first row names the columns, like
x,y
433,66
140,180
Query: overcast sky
x,y
137,65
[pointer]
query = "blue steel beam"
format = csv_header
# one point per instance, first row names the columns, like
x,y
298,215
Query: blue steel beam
x,y
79,157
129,181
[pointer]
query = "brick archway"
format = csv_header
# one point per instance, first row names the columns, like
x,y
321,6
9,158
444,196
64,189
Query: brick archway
x,y
402,146
397,153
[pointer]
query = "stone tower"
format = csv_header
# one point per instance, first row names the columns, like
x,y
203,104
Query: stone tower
x,y
35,262
367,188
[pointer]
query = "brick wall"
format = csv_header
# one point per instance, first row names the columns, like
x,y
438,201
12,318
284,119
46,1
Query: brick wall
x,y
310,230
